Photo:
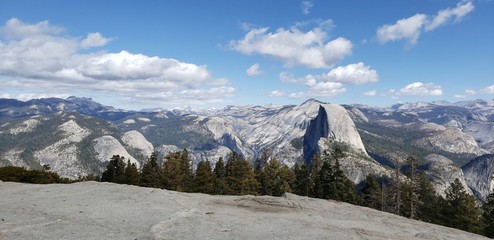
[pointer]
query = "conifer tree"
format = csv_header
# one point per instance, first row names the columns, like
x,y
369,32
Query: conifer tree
x,y
372,194
240,176
325,184
488,216
204,178
414,187
394,196
173,172
302,180
428,206
269,178
315,181
460,211
186,167
131,174
151,173
114,170
220,177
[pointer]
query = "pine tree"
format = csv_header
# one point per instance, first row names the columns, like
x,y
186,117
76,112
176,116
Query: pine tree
x,y
394,194
372,194
411,189
270,179
461,211
115,170
186,167
325,185
109,174
131,174
221,186
151,173
428,206
316,189
302,180
173,172
488,216
204,178
240,176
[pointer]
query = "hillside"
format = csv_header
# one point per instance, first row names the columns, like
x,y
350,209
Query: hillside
x,y
77,136
90,210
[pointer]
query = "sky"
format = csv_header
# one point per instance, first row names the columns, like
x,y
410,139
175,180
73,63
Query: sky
x,y
214,53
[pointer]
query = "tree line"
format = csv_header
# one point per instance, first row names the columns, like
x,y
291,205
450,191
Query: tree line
x,y
412,196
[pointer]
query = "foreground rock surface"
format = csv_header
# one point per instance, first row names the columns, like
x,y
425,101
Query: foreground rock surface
x,y
92,210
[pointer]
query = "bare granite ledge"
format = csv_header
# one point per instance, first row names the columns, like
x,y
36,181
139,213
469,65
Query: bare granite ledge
x,y
91,210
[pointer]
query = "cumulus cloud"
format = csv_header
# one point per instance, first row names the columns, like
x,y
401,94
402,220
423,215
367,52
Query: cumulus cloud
x,y
356,73
489,90
94,40
370,93
406,28
410,28
327,89
37,57
295,47
333,83
447,15
254,70
306,6
421,89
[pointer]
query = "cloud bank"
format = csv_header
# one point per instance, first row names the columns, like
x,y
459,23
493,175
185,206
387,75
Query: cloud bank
x,y
40,58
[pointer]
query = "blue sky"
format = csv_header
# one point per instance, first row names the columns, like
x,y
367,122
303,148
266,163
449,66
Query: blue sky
x,y
169,54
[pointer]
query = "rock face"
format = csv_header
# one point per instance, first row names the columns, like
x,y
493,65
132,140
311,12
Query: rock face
x,y
135,139
107,146
62,156
318,128
479,174
443,172
90,210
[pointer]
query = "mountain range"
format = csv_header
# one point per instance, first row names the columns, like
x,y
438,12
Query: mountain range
x,y
77,136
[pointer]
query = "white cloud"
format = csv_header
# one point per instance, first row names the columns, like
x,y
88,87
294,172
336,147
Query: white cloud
x,y
276,93
294,47
489,90
327,89
411,28
446,15
29,96
333,83
407,28
16,29
306,6
254,70
356,73
468,92
421,89
36,58
94,40
370,93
